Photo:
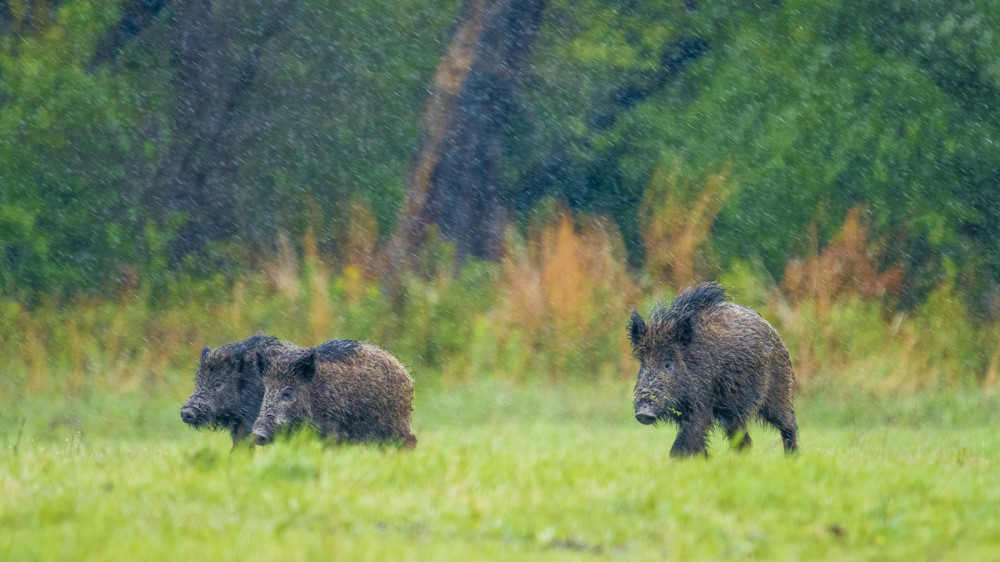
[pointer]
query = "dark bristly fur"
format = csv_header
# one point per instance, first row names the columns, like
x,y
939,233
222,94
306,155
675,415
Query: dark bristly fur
x,y
705,360
348,390
228,387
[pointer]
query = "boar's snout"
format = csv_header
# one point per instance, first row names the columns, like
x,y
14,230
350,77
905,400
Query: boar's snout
x,y
189,415
644,414
260,438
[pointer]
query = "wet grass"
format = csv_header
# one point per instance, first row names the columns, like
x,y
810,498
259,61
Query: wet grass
x,y
503,472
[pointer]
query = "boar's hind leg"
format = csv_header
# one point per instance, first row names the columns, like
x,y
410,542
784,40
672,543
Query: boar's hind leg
x,y
410,441
691,438
738,436
784,421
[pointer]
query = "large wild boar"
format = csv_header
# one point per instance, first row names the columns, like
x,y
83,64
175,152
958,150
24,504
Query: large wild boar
x,y
228,387
347,390
706,360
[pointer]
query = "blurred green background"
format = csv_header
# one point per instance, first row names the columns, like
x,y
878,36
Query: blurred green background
x,y
181,173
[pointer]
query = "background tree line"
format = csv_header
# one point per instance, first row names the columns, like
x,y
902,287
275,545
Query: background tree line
x,y
146,139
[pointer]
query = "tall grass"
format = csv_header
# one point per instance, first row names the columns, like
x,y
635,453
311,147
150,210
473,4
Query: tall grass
x,y
835,311
561,300
553,309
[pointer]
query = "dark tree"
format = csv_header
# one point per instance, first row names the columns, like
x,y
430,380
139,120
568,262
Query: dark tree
x,y
6,16
213,77
215,49
455,181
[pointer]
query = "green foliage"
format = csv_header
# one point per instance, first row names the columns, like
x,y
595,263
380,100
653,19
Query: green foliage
x,y
333,116
337,112
814,107
65,220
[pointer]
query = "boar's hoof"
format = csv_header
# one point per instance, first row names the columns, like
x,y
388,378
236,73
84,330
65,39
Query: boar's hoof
x,y
645,415
188,415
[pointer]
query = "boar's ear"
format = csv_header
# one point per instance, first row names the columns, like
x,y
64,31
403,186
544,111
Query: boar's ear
x,y
245,366
684,331
204,352
305,368
636,329
246,363
258,362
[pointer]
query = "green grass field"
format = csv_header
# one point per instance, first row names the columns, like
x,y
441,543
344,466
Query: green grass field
x,y
505,472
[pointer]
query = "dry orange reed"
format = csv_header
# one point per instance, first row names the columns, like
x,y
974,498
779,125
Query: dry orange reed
x,y
566,288
848,265
559,307
675,224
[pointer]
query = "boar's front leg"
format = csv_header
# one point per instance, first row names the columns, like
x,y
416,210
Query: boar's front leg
x,y
239,432
693,433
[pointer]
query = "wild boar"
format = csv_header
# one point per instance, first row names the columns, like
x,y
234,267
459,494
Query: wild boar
x,y
705,360
347,390
228,387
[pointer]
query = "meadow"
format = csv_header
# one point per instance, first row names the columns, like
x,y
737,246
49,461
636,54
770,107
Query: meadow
x,y
503,471
528,448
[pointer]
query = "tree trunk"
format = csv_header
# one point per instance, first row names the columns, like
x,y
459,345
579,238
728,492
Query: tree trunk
x,y
455,181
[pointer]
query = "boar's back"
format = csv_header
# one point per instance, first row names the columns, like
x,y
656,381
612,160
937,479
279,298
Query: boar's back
x,y
337,350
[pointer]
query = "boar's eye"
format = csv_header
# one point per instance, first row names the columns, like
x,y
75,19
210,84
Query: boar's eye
x,y
287,394
219,385
668,365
